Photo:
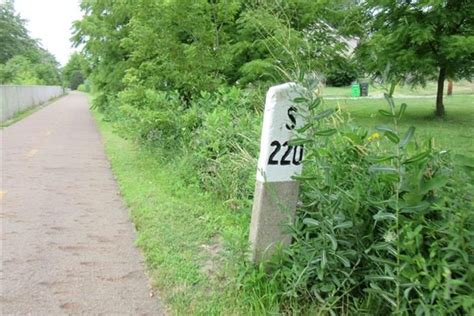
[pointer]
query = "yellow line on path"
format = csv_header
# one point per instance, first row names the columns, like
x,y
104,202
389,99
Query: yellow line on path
x,y
32,152
2,193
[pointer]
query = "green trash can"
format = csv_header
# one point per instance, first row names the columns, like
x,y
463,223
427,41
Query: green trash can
x,y
355,90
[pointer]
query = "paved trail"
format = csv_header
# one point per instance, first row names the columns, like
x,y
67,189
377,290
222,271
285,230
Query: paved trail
x,y
66,240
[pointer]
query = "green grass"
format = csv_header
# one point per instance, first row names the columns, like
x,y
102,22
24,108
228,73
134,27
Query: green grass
x,y
190,240
459,88
454,132
18,116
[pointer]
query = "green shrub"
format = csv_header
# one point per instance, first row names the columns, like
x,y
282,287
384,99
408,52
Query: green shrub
x,y
216,133
342,73
149,116
224,146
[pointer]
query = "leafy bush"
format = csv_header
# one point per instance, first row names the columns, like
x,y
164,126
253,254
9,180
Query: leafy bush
x,y
385,223
223,143
342,73
215,134
149,116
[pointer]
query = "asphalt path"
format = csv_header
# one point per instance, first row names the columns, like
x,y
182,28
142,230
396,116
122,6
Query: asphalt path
x,y
66,242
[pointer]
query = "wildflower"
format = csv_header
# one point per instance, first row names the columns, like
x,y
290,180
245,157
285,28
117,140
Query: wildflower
x,y
390,237
373,137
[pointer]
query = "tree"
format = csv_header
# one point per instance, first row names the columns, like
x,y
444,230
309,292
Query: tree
x,y
76,79
75,71
415,41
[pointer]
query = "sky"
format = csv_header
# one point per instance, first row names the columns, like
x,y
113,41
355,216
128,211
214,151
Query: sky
x,y
51,21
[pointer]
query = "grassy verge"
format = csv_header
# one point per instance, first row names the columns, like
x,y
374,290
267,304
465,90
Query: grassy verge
x,y
190,240
18,116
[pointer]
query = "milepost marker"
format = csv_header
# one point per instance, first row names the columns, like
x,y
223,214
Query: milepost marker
x,y
276,193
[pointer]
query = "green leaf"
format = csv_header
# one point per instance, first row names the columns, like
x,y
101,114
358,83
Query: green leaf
x,y
315,103
392,137
406,293
327,288
324,260
347,224
407,137
403,108
388,299
304,128
324,114
384,128
379,278
311,222
300,100
381,216
305,178
384,246
344,261
389,100
327,132
383,169
299,141
389,133
417,157
386,113
333,241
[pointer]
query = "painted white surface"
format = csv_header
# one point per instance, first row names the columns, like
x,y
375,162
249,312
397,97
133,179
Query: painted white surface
x,y
277,126
18,98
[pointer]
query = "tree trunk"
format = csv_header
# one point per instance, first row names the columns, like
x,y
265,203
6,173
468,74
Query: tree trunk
x,y
450,87
439,95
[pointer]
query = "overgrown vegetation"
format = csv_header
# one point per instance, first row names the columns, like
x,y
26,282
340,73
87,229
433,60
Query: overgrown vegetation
x,y
386,218
385,224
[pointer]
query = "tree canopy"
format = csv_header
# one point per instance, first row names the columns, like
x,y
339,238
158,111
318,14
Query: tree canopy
x,y
415,41
191,46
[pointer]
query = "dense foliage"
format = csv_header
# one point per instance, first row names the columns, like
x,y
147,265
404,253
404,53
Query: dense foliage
x,y
22,59
194,46
384,224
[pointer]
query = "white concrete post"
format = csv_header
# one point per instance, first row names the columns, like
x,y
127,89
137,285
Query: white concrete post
x,y
276,193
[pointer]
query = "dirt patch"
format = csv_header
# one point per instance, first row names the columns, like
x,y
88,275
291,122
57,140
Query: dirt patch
x,y
212,256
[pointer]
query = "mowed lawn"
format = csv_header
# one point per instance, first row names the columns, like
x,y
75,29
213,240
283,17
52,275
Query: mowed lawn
x,y
459,87
455,132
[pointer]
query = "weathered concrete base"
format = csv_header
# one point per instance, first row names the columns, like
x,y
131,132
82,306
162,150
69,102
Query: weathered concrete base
x,y
274,206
